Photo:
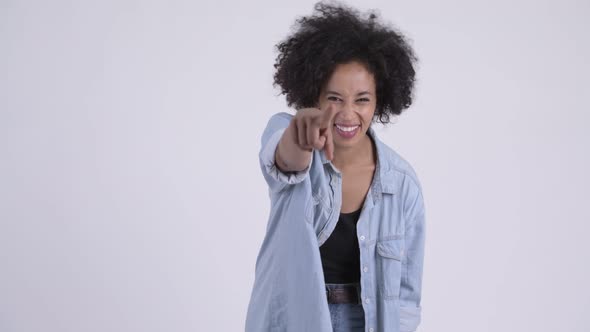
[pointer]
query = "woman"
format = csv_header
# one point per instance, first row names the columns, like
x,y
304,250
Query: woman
x,y
344,244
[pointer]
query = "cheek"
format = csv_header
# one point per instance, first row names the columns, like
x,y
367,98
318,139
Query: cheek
x,y
368,114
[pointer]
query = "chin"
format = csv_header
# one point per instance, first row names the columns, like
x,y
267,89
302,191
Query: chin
x,y
346,143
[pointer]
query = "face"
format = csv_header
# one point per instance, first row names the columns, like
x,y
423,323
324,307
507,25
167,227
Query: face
x,y
351,90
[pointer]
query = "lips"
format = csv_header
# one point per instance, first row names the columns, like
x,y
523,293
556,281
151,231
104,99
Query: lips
x,y
347,131
346,127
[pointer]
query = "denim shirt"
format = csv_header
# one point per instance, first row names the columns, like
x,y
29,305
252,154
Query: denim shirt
x,y
289,289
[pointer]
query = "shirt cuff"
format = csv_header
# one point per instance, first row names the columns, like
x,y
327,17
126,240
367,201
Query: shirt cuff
x,y
409,318
267,156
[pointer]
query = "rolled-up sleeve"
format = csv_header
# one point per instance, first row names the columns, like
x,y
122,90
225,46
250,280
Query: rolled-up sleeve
x,y
275,178
412,266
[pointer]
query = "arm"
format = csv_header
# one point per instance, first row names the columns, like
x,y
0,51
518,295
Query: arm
x,y
276,139
289,156
412,264
288,143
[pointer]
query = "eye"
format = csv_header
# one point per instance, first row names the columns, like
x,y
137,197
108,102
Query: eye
x,y
333,98
364,100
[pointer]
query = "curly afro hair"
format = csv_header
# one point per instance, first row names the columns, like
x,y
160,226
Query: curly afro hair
x,y
336,34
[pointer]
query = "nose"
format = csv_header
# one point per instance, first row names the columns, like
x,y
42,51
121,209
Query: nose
x,y
348,107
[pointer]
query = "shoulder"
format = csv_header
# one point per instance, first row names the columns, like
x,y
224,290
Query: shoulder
x,y
398,166
276,122
400,178
280,119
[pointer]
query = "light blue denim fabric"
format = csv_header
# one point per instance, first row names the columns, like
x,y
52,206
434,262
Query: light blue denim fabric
x,y
346,317
289,289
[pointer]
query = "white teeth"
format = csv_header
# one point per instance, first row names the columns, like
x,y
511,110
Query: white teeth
x,y
347,128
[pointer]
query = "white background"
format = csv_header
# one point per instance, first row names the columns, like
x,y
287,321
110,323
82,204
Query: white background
x,y
131,197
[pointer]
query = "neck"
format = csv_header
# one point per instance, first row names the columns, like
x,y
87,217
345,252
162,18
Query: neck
x,y
360,155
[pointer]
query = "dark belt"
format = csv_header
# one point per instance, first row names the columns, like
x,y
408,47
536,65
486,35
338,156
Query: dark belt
x,y
343,294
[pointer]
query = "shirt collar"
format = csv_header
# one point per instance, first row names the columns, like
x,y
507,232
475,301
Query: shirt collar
x,y
383,181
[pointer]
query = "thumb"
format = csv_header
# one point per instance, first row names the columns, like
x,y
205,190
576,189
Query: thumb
x,y
322,140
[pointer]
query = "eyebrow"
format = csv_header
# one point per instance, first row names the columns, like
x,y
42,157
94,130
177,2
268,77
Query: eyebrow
x,y
358,94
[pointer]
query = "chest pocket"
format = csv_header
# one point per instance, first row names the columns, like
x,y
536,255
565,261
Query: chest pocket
x,y
389,263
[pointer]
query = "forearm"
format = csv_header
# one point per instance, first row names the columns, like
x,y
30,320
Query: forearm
x,y
289,157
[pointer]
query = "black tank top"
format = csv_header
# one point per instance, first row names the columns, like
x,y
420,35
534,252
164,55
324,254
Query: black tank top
x,y
340,253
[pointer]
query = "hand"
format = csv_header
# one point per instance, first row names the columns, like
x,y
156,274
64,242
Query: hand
x,y
313,129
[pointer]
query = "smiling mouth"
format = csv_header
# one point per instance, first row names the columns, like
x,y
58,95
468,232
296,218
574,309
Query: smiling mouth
x,y
346,128
347,132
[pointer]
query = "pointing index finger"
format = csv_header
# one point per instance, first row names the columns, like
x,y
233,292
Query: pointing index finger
x,y
326,124
328,117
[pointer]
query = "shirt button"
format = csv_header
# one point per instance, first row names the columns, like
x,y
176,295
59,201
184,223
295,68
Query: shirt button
x,y
367,300
365,269
371,329
362,238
